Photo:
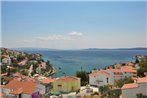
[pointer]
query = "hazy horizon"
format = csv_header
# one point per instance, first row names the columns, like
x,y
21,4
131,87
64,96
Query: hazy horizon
x,y
73,25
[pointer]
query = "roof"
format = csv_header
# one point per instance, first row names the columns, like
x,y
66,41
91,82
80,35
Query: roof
x,y
17,91
2,86
47,80
23,62
27,86
124,69
7,78
95,73
142,80
1,94
67,78
4,56
128,69
130,86
55,93
130,64
3,74
17,74
115,70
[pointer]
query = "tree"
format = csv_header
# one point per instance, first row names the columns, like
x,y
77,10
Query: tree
x,y
114,93
120,83
3,69
84,77
136,60
47,62
143,68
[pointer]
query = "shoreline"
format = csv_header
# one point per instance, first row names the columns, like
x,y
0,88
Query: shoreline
x,y
53,71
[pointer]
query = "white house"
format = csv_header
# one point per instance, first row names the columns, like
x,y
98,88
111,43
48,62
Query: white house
x,y
132,89
45,85
99,78
6,60
109,76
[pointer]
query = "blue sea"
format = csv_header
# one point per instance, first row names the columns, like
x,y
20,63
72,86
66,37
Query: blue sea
x,y
69,61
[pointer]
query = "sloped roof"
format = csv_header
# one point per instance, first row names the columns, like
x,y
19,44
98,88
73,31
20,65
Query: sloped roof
x,y
17,91
67,78
47,80
27,86
95,73
129,86
128,69
142,80
1,94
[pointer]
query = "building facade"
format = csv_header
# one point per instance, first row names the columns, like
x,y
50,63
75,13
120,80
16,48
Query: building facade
x,y
138,87
66,84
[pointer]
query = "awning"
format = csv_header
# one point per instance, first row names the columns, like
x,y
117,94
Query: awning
x,y
55,93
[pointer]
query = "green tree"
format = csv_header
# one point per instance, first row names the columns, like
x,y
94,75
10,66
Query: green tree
x,y
143,68
84,77
3,69
48,63
120,83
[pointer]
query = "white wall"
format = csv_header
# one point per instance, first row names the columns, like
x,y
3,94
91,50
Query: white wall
x,y
101,77
129,93
6,91
143,88
25,96
41,88
127,74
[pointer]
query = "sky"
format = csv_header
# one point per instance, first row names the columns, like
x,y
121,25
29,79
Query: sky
x,y
73,25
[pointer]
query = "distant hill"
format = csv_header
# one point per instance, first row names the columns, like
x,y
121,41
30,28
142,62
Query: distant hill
x,y
32,49
47,49
142,48
133,49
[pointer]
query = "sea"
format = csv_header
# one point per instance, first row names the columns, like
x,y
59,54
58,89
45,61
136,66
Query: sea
x,y
68,62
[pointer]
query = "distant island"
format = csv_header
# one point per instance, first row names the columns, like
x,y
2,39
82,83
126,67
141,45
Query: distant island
x,y
138,48
45,49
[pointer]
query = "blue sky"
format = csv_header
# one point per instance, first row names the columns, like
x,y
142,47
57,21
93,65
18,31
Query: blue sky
x,y
74,25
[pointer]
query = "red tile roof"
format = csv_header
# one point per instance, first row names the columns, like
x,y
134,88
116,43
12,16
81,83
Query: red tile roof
x,y
130,64
47,80
142,80
124,69
28,86
1,94
67,78
17,91
129,86
128,69
115,70
95,73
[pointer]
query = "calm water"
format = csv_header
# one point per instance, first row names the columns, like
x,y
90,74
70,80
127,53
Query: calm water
x,y
72,61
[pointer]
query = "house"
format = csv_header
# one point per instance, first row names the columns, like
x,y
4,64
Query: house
x,y
1,93
66,84
23,62
109,76
6,60
19,89
45,85
130,64
99,78
129,71
132,89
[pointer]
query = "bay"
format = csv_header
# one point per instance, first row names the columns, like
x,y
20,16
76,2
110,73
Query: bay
x,y
67,62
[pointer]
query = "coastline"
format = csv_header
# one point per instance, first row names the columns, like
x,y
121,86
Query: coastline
x,y
53,71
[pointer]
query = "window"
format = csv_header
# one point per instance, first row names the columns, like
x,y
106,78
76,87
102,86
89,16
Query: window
x,y
107,80
59,85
